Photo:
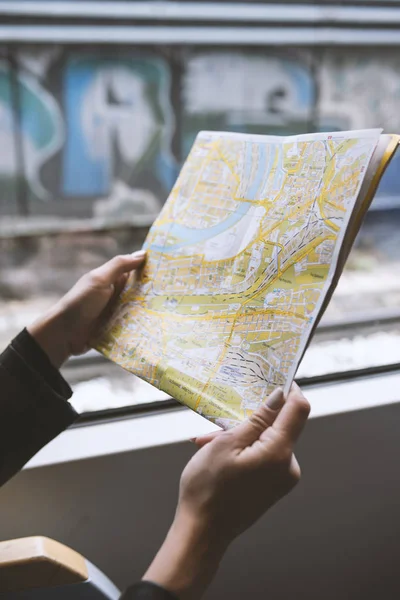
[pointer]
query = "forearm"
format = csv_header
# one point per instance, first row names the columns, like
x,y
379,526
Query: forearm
x,y
49,332
188,559
34,403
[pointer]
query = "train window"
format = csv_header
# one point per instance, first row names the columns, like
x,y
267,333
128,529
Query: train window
x,y
91,143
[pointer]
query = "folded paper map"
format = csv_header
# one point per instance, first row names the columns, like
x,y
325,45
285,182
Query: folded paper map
x,y
241,264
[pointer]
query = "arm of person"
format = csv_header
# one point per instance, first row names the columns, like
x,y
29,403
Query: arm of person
x,y
227,486
34,405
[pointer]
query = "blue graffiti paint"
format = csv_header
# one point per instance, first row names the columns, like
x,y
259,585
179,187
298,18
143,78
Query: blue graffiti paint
x,y
6,117
91,112
40,123
305,87
167,170
86,172
37,120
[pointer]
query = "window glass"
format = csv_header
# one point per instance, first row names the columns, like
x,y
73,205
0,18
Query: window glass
x,y
92,140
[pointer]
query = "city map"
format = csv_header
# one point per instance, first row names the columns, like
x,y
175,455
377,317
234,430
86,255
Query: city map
x,y
238,265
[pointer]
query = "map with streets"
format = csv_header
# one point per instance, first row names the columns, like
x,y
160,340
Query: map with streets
x,y
239,262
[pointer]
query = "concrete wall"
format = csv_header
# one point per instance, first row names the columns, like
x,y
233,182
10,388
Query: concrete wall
x,y
336,536
80,126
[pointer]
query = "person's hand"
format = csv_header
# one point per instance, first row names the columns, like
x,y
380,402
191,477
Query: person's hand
x,y
229,483
68,328
239,474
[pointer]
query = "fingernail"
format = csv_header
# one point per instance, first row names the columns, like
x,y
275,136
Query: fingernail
x,y
139,254
275,400
192,440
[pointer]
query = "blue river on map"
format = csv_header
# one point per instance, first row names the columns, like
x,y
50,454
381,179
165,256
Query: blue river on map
x,y
189,236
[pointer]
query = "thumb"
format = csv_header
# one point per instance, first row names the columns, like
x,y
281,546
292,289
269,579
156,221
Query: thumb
x,y
119,265
248,432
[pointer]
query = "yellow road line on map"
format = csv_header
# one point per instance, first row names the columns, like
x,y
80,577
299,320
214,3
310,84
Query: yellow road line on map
x,y
227,162
337,206
325,218
263,311
311,246
306,251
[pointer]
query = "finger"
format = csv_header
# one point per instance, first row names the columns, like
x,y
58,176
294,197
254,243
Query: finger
x,y
203,440
292,418
262,418
119,265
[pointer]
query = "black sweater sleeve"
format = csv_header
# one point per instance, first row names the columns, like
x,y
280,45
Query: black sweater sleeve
x,y
145,590
34,405
34,409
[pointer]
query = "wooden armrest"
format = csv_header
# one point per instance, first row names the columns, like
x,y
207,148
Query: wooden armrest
x,y
36,562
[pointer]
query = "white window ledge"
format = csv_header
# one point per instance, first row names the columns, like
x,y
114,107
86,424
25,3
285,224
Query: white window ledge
x,y
177,426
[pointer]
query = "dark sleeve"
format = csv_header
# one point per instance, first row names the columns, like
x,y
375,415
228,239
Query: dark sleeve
x,y
34,409
145,590
34,405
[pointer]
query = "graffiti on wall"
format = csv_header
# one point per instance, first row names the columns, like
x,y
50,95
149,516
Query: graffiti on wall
x,y
360,90
248,92
116,107
105,133
104,124
40,125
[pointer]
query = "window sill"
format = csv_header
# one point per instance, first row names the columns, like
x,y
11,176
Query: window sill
x,y
180,424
